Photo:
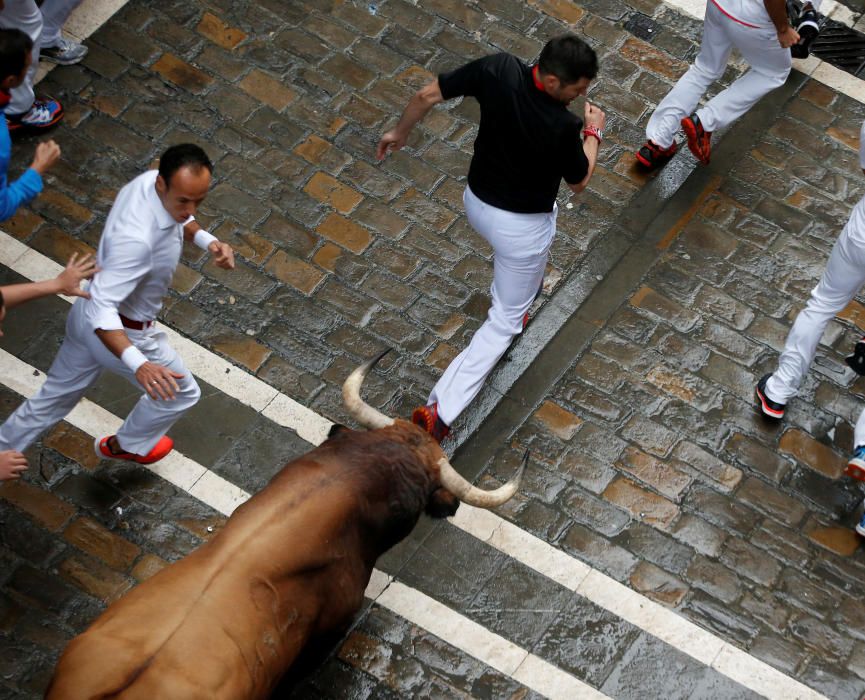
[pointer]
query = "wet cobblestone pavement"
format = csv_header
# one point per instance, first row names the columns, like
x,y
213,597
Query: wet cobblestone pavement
x,y
665,301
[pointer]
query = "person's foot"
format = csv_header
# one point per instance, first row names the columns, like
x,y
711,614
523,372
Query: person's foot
x,y
108,448
770,408
699,140
44,114
856,361
856,466
427,417
860,526
651,156
65,53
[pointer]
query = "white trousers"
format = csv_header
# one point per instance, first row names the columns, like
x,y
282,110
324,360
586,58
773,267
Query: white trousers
x,y
80,360
54,16
842,279
521,245
43,27
770,66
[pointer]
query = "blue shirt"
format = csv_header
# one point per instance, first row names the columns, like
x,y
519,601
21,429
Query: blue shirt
x,y
25,188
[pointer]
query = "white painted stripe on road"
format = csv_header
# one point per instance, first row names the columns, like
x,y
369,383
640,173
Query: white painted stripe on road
x,y
813,67
228,378
416,607
492,649
627,604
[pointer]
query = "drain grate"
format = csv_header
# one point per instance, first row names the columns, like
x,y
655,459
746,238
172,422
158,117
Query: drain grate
x,y
841,46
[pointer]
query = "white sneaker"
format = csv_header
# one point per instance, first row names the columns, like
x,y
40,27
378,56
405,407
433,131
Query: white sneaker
x,y
65,53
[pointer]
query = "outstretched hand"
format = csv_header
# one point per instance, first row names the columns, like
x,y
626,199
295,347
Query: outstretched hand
x,y
12,465
391,141
223,255
77,269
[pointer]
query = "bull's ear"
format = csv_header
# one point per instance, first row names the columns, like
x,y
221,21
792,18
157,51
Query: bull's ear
x,y
336,429
441,504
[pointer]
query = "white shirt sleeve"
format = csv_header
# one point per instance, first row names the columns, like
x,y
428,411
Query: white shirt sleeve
x,y
862,146
127,260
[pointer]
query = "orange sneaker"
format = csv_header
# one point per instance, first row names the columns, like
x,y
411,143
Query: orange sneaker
x,y
699,140
162,448
427,417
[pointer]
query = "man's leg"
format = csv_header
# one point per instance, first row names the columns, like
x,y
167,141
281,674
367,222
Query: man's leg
x,y
519,262
53,46
150,419
708,67
843,277
71,374
23,15
770,66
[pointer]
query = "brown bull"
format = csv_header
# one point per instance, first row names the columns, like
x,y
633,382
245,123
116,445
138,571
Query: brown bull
x,y
289,568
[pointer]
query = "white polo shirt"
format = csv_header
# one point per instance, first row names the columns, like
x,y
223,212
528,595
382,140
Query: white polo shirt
x,y
137,256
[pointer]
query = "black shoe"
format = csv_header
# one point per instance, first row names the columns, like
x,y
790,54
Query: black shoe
x,y
770,408
856,361
808,27
651,156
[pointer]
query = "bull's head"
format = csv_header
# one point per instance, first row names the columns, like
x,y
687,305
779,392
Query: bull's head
x,y
448,477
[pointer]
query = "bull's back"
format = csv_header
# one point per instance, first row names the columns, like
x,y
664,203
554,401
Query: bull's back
x,y
227,620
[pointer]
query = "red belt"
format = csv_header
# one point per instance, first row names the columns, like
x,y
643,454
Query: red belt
x,y
135,325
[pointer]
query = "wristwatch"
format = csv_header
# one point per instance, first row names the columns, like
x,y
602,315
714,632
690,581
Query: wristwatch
x,y
594,131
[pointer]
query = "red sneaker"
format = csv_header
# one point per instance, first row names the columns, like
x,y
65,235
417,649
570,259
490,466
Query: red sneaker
x,y
162,448
427,417
699,140
856,466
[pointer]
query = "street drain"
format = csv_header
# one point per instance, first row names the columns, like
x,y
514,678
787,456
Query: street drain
x,y
837,44
841,46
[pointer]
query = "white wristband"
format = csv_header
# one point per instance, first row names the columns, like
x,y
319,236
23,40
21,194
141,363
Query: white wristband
x,y
133,358
203,238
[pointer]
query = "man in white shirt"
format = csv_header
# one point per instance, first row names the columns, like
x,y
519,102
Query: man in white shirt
x,y
115,328
760,31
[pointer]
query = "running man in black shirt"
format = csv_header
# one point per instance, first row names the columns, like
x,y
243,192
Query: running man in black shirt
x,y
527,142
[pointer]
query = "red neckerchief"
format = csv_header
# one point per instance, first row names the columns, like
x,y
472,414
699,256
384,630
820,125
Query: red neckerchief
x,y
536,77
5,96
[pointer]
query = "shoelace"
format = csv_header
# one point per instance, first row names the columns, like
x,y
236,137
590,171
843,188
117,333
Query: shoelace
x,y
38,113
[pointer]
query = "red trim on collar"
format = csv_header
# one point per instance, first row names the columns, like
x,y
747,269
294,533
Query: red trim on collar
x,y
535,76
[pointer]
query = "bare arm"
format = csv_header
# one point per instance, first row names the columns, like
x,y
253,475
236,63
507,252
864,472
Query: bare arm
x,y
777,9
593,117
421,102
67,282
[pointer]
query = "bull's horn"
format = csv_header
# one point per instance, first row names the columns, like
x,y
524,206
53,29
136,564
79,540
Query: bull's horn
x,y
472,495
358,409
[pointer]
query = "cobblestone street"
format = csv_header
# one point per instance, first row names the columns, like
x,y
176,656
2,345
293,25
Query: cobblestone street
x,y
665,300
